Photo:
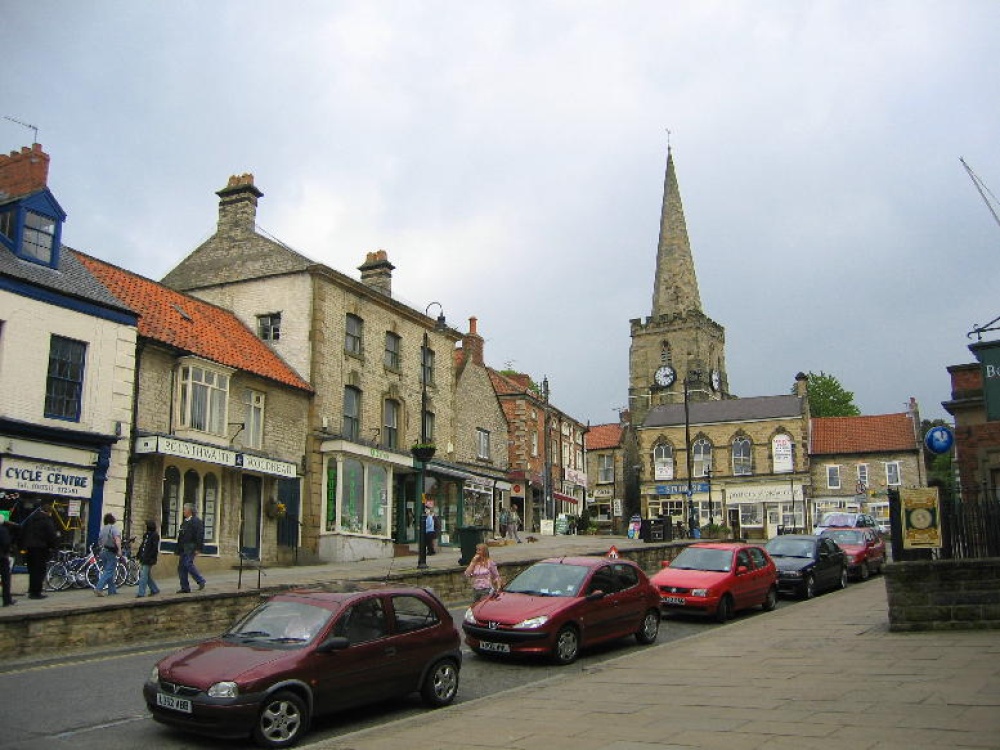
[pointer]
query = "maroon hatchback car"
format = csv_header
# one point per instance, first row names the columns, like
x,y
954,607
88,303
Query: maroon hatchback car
x,y
302,654
558,606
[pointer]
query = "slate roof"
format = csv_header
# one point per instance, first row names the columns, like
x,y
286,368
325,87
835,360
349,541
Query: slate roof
x,y
604,436
880,433
729,410
192,325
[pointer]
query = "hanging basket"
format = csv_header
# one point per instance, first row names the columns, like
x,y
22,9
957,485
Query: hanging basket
x,y
423,452
275,509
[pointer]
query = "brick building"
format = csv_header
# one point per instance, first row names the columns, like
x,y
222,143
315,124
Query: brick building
x,y
219,422
606,475
977,439
67,358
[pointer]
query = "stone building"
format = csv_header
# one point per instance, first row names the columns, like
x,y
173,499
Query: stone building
x,y
383,374
854,461
67,364
606,475
219,422
546,453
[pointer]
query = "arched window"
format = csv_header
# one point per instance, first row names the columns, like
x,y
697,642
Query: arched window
x,y
170,508
663,461
665,353
210,506
701,457
742,463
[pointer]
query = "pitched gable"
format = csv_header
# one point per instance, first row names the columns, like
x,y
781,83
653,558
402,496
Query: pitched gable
x,y
604,436
881,433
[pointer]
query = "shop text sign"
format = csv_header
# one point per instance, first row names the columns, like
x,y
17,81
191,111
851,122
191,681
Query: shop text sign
x,y
47,479
214,455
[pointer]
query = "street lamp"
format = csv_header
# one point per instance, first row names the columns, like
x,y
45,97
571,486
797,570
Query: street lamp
x,y
547,447
692,376
426,452
708,478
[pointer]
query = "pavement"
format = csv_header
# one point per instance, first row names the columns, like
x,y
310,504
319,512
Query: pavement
x,y
824,673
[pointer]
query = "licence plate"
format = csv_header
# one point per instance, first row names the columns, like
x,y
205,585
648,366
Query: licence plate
x,y
498,648
172,702
675,600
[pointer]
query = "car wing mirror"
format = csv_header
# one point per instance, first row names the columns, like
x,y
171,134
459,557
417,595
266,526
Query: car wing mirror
x,y
333,643
741,569
593,596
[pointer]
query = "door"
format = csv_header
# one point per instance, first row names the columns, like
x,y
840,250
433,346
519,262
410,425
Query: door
x,y
600,616
250,528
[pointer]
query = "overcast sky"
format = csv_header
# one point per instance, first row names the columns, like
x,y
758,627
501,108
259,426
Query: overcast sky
x,y
509,156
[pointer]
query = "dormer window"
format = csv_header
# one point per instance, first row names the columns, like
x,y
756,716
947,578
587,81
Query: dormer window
x,y
30,228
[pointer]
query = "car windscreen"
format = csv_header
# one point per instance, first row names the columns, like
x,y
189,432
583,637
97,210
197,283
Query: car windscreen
x,y
704,558
845,536
790,548
549,579
281,622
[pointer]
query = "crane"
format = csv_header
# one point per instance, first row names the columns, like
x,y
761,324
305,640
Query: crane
x,y
991,204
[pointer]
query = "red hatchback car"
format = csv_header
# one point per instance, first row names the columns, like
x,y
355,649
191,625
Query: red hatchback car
x,y
558,606
301,654
865,549
718,579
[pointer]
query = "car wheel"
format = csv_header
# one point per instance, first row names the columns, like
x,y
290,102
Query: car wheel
x,y
441,684
567,646
809,587
650,628
282,720
843,578
864,572
725,609
771,600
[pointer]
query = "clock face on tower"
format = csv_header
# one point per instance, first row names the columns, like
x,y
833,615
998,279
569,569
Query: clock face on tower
x,y
664,376
716,380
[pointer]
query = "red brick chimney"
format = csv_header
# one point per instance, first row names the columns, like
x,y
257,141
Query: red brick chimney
x,y
238,204
24,172
472,344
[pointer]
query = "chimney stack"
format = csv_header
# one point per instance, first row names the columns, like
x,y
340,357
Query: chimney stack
x,y
472,344
24,172
376,272
238,205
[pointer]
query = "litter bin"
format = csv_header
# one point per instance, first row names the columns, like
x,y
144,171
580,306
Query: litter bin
x,y
468,538
653,530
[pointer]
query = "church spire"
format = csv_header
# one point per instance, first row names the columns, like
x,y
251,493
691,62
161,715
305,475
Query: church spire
x,y
675,291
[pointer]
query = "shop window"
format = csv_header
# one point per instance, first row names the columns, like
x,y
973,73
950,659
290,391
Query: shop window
x,y
351,498
377,502
742,457
750,515
170,510
64,383
203,397
210,507
200,491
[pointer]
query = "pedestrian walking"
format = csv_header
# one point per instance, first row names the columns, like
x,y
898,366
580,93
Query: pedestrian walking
x,y
149,551
504,522
484,574
38,538
514,523
190,539
109,541
6,547
430,530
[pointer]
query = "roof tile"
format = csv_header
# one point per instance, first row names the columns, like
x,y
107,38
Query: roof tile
x,y
864,434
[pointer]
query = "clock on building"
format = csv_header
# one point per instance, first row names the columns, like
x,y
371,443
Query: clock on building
x,y
716,380
664,376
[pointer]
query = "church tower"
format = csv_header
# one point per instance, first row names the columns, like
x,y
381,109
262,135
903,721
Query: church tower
x,y
677,343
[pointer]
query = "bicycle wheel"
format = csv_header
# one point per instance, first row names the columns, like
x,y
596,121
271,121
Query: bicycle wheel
x,y
57,577
78,572
91,574
134,568
121,574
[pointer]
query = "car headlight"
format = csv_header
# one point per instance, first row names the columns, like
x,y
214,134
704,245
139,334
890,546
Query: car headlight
x,y
223,690
469,617
791,573
700,592
533,622
154,674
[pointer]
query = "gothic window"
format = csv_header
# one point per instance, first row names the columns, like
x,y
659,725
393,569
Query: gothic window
x,y
742,464
701,457
663,461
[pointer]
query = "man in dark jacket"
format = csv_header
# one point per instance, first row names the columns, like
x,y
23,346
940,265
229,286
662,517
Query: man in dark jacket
x,y
190,538
38,538
6,547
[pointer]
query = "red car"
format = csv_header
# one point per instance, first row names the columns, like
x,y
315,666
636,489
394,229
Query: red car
x,y
865,549
302,654
558,606
717,580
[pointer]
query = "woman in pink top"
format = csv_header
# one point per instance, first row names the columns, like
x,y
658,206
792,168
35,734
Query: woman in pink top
x,y
483,572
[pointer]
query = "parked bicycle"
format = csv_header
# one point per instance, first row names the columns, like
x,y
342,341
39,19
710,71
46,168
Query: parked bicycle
x,y
73,568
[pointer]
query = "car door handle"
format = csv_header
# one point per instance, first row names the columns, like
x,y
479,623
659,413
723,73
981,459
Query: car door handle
x,y
390,650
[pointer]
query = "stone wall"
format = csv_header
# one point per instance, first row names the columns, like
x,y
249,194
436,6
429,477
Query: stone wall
x,y
110,623
944,594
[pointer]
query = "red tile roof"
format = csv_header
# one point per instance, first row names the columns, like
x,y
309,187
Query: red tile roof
x,y
604,436
872,434
192,325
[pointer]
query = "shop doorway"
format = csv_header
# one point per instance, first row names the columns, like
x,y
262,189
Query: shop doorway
x,y
250,529
734,523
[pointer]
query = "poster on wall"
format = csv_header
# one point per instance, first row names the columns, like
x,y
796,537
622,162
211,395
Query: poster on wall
x,y
781,449
920,511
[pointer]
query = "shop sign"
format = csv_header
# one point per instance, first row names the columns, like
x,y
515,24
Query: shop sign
x,y
576,477
168,446
988,354
602,492
681,488
759,493
921,514
517,490
47,479
781,450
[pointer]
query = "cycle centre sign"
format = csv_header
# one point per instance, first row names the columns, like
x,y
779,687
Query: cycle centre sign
x,y
45,478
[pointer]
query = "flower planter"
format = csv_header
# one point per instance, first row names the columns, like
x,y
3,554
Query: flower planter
x,y
423,453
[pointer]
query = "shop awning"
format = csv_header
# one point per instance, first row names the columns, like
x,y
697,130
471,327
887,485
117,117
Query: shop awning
x,y
565,498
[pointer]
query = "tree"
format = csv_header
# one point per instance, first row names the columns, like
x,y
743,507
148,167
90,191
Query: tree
x,y
828,398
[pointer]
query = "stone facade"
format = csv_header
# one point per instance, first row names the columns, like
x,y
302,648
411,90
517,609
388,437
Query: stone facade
x,y
943,595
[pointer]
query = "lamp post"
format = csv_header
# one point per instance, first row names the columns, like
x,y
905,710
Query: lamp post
x,y
547,447
694,376
708,478
426,452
